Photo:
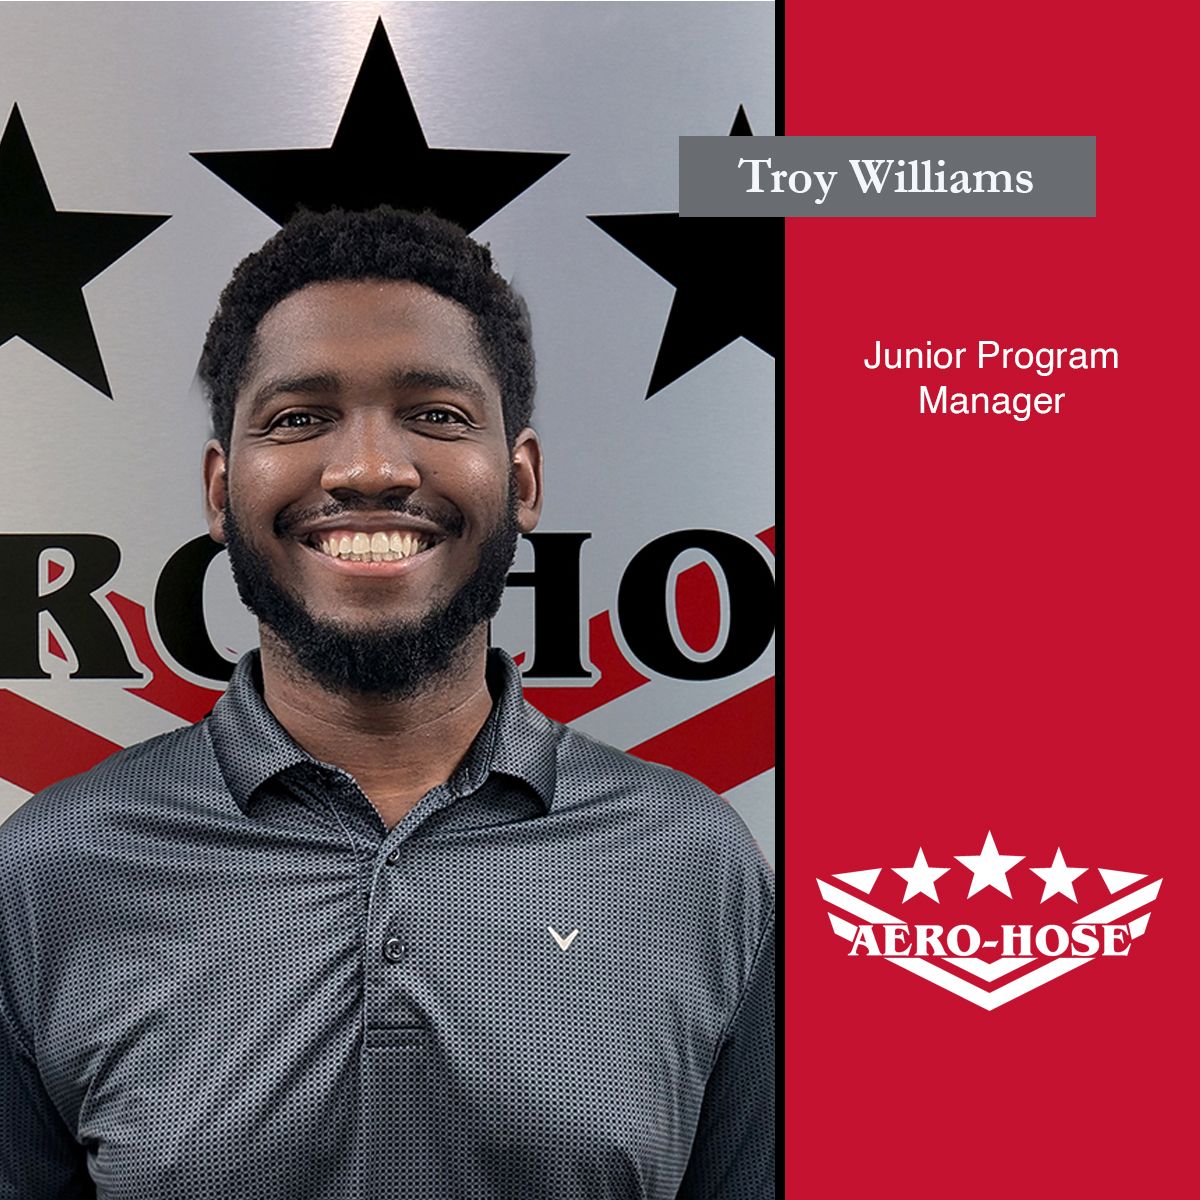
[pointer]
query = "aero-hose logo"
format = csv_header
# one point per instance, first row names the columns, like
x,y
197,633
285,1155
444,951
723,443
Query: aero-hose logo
x,y
984,960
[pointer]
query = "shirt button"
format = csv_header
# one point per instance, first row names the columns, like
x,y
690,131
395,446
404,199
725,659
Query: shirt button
x,y
393,858
394,949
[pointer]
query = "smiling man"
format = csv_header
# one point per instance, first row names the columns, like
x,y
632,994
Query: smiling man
x,y
376,927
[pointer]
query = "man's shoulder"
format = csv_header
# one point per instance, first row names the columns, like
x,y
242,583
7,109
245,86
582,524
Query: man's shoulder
x,y
81,806
675,854
652,800
595,769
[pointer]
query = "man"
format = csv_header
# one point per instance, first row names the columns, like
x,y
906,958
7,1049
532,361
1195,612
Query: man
x,y
376,927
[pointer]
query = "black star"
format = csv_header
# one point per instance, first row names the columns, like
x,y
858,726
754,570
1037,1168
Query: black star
x,y
46,257
728,277
380,156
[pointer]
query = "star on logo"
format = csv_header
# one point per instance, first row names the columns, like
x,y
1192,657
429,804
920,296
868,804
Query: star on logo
x,y
726,274
989,868
380,156
1058,878
46,256
920,878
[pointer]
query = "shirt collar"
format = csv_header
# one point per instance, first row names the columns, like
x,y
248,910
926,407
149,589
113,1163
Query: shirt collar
x,y
516,740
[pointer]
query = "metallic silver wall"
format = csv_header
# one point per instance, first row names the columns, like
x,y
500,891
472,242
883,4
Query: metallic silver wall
x,y
117,98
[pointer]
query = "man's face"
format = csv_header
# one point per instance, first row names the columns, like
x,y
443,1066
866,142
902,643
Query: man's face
x,y
370,500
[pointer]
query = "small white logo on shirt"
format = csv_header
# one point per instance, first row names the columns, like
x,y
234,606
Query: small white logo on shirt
x,y
564,943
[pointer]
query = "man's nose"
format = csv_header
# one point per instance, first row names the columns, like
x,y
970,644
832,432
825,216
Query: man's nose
x,y
370,454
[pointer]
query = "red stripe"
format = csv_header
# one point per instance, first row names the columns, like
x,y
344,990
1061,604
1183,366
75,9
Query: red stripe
x,y
698,607
166,690
723,746
617,678
38,747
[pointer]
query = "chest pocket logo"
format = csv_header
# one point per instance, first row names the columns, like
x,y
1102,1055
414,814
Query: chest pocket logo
x,y
563,943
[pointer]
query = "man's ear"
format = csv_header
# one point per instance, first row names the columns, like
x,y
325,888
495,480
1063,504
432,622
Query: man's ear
x,y
527,477
214,489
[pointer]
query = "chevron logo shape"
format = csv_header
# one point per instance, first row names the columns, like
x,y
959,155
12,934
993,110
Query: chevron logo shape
x,y
564,943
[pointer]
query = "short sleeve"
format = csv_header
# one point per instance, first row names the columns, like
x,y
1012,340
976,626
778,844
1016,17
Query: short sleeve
x,y
39,1158
733,1155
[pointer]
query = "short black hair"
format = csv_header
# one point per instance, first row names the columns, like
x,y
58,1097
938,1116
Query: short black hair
x,y
384,243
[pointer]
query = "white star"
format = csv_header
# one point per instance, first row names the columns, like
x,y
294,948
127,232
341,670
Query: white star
x,y
989,868
920,878
1058,878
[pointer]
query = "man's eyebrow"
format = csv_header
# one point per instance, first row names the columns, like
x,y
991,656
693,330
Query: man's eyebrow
x,y
418,379
320,383
429,379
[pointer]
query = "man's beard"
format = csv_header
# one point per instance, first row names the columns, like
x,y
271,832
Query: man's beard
x,y
390,660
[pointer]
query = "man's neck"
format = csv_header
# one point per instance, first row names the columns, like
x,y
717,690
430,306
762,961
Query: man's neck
x,y
397,749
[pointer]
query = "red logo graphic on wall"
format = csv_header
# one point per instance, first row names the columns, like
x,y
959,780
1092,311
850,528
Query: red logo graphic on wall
x,y
989,927
57,609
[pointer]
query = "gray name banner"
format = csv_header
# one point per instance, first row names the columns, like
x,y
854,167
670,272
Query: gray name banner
x,y
887,176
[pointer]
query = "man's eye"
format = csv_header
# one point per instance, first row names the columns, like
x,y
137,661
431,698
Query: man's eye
x,y
294,420
441,416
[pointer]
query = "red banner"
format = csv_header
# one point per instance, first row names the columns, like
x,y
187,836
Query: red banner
x,y
991,621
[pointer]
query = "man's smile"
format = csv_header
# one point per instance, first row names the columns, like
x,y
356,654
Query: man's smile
x,y
373,540
378,546
382,553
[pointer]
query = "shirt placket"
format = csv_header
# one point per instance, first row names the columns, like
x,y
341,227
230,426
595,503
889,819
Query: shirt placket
x,y
405,1076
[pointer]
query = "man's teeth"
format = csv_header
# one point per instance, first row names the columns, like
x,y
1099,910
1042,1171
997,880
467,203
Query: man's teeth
x,y
373,547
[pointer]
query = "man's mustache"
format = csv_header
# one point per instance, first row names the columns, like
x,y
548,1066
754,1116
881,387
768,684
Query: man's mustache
x,y
450,522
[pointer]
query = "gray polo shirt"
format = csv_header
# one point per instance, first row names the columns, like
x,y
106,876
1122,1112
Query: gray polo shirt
x,y
223,976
